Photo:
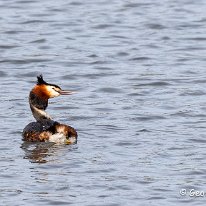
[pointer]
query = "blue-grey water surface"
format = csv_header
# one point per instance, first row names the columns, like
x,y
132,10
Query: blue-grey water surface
x,y
139,68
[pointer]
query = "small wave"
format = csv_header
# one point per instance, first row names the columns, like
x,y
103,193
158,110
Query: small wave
x,y
110,90
156,84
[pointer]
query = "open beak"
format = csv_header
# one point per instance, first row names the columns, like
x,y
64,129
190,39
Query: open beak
x,y
65,92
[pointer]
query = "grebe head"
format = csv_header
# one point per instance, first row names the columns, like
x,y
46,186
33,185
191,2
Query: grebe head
x,y
46,90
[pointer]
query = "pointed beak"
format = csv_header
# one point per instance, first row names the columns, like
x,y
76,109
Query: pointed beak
x,y
65,92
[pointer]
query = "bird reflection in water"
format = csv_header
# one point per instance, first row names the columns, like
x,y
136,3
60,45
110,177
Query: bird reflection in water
x,y
37,152
41,152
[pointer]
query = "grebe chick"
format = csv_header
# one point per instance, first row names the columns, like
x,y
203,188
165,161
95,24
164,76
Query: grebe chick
x,y
45,129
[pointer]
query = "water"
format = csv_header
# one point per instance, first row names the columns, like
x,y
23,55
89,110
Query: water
x,y
139,69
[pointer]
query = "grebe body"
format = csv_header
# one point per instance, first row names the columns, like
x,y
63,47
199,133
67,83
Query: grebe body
x,y
45,129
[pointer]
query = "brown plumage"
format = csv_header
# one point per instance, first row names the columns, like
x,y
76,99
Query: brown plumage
x,y
45,129
41,91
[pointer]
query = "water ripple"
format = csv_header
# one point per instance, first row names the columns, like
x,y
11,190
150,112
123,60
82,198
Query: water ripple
x,y
139,71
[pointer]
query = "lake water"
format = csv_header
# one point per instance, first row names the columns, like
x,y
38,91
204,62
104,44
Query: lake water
x,y
139,68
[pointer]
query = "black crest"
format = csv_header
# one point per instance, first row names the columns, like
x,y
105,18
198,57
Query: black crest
x,y
40,80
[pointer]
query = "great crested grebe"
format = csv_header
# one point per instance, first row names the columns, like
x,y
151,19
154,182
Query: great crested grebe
x,y
45,129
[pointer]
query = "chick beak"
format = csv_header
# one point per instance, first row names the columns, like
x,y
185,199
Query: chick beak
x,y
68,141
71,140
65,92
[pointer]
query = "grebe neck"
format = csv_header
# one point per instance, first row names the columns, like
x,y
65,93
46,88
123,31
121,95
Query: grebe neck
x,y
38,107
